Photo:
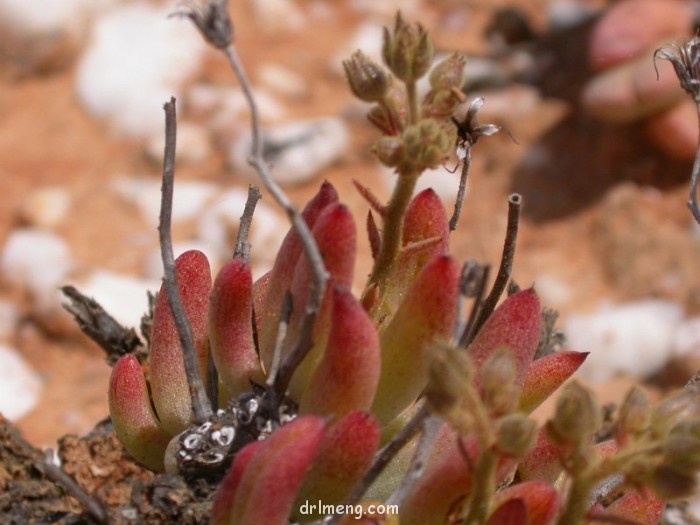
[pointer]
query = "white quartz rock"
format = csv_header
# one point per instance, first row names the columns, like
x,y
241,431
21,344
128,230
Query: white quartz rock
x,y
296,152
124,297
20,386
634,338
137,58
38,262
45,207
189,197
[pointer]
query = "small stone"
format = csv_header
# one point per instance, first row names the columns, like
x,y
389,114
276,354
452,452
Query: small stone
x,y
553,292
633,338
444,183
38,262
283,81
296,152
367,38
20,386
124,297
45,207
189,197
137,58
275,16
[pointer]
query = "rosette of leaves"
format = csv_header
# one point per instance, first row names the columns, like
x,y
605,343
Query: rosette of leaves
x,y
312,430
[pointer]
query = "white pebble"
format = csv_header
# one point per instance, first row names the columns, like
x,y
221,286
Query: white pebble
x,y
124,297
20,386
189,197
38,262
51,16
553,292
136,60
296,152
634,338
274,16
367,38
444,183
281,80
45,207
687,338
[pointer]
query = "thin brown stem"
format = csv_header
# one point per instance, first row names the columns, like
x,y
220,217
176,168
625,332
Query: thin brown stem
x,y
200,403
320,275
459,202
242,250
506,266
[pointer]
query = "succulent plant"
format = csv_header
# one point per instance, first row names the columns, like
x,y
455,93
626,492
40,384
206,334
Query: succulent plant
x,y
299,439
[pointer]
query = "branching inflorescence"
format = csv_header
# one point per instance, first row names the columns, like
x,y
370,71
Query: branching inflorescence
x,y
290,390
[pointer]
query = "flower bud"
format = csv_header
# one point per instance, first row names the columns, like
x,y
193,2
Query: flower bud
x,y
449,376
427,145
368,80
634,414
682,448
577,416
515,435
408,51
680,406
449,73
390,151
498,382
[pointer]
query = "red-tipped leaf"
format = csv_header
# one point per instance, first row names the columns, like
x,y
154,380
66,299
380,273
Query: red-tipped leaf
x,y
347,377
231,329
547,374
271,482
345,455
169,387
541,501
134,421
427,314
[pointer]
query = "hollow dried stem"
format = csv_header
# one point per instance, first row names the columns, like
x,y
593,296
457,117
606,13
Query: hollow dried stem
x,y
506,266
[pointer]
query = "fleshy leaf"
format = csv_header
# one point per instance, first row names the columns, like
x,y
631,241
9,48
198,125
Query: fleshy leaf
x,y
427,314
226,491
134,421
280,280
335,235
543,462
547,374
270,483
260,288
347,377
169,388
345,455
514,325
512,512
540,499
425,219
231,329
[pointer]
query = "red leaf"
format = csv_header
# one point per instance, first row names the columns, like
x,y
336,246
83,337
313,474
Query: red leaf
x,y
547,374
169,387
427,314
231,329
347,377
514,325
540,500
134,421
271,482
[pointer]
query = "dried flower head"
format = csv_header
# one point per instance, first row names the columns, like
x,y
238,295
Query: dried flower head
x,y
685,60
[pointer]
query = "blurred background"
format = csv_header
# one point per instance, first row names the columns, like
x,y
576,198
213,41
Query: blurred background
x,y
605,237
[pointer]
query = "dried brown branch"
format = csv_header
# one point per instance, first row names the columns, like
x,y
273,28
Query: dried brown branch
x,y
242,250
506,266
98,325
466,166
200,402
695,178
471,286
